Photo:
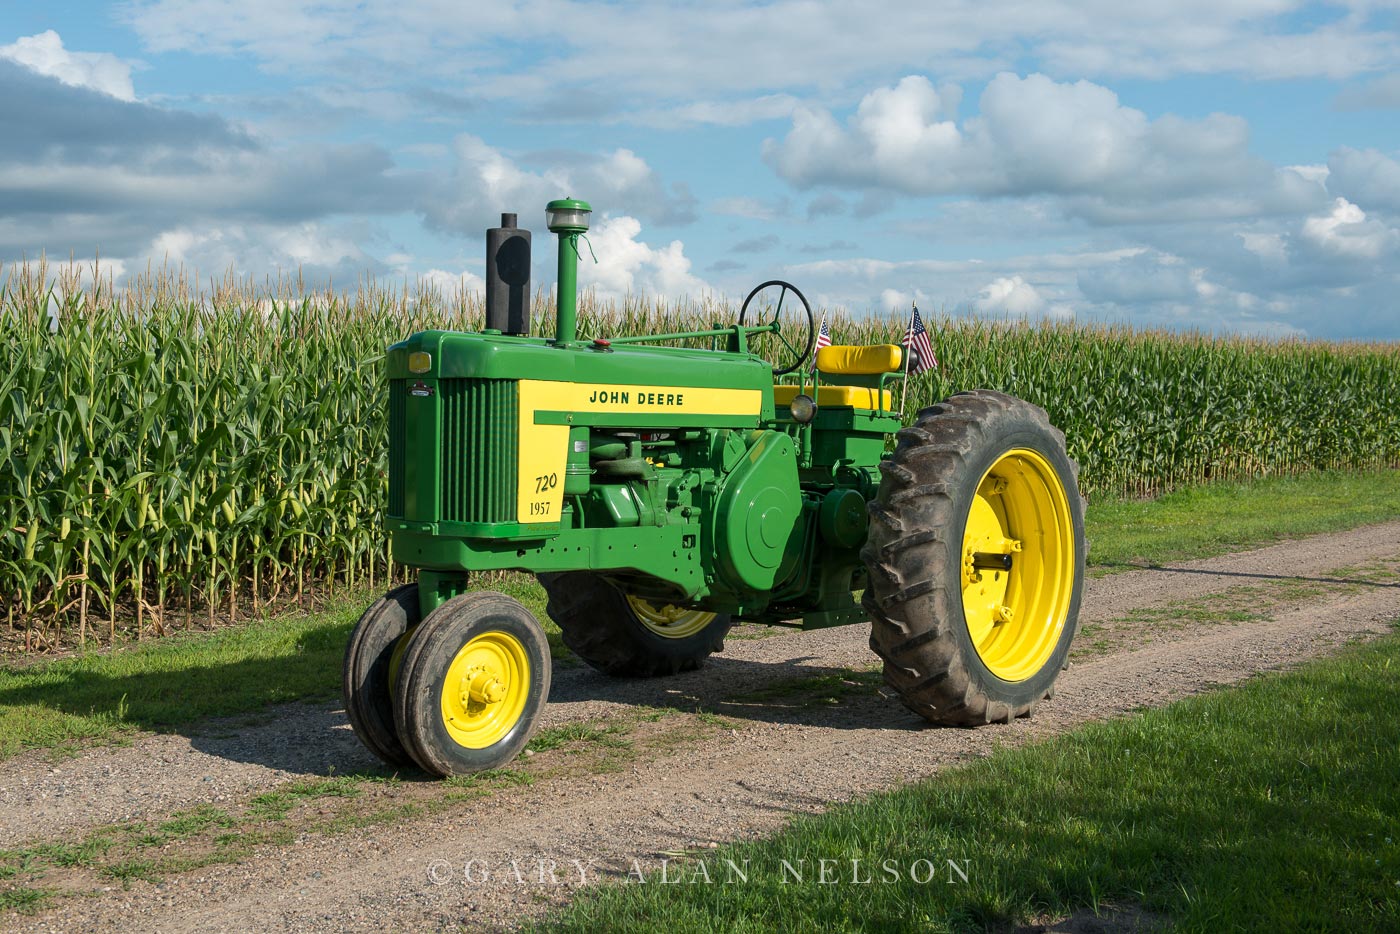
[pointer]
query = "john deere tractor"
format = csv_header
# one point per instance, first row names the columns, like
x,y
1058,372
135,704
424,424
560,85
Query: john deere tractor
x,y
663,493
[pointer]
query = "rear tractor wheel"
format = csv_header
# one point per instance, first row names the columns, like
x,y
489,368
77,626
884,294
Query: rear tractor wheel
x,y
628,636
473,681
976,557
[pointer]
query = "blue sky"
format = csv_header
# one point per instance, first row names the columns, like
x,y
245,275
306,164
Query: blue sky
x,y
1227,165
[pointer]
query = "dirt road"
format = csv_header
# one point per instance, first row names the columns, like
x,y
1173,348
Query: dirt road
x,y
776,726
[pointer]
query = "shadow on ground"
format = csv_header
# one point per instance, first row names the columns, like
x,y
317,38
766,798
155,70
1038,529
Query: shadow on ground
x,y
313,736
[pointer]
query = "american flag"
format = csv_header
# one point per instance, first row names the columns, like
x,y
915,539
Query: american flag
x,y
823,339
916,342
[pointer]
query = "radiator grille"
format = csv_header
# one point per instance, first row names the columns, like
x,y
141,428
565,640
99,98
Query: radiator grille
x,y
478,450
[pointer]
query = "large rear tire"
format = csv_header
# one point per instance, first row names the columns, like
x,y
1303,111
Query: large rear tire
x,y
367,677
626,636
474,679
976,556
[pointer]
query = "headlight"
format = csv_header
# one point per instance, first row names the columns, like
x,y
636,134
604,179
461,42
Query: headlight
x,y
803,408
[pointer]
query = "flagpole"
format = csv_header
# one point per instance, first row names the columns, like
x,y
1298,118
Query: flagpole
x,y
904,392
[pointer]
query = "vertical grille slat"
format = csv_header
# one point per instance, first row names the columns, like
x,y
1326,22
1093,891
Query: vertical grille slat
x,y
478,450
397,444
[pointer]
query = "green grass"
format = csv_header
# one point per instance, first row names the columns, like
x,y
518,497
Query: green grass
x,y
175,682
1232,605
1270,806
817,690
606,734
188,839
1218,518
275,805
24,900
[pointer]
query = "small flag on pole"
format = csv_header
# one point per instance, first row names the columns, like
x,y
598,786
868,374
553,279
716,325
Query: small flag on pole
x,y
917,345
823,340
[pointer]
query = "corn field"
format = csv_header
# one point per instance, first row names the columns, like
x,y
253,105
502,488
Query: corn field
x,y
170,453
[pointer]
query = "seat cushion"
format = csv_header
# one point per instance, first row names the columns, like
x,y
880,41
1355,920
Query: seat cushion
x,y
859,397
839,360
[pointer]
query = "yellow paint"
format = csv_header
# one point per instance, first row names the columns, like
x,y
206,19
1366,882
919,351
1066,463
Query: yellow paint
x,y
670,621
839,360
860,397
543,448
485,690
1016,617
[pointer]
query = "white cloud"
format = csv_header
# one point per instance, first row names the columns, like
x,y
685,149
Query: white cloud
x,y
97,71
1164,217
1383,93
892,300
1142,286
1269,246
742,59
92,172
752,208
1009,295
80,273
725,113
1313,173
628,266
1202,37
1345,231
1034,284
451,284
1365,177
319,253
484,181
1249,326
1034,136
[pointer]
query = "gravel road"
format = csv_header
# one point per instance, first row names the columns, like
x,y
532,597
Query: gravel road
x,y
690,782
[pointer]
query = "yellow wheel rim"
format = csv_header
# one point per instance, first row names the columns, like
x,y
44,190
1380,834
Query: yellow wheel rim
x,y
667,620
485,690
1015,617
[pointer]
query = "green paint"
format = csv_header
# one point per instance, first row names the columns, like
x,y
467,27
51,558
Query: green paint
x,y
754,514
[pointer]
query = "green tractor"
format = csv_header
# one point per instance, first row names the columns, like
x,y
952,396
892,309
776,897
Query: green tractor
x,y
661,493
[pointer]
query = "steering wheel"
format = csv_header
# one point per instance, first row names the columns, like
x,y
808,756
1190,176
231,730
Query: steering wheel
x,y
786,355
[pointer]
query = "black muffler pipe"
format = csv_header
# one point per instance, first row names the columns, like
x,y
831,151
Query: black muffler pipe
x,y
508,278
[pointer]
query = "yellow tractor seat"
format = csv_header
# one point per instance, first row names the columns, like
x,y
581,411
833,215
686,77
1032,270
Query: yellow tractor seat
x,y
838,360
867,366
860,397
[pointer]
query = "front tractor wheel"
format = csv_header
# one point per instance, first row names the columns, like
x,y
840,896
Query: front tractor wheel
x,y
472,684
628,636
370,669
976,557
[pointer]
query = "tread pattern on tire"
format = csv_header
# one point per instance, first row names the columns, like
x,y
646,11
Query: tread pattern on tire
x,y
599,626
914,597
372,717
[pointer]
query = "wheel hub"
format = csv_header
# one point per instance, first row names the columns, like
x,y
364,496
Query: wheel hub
x,y
483,687
669,620
484,692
